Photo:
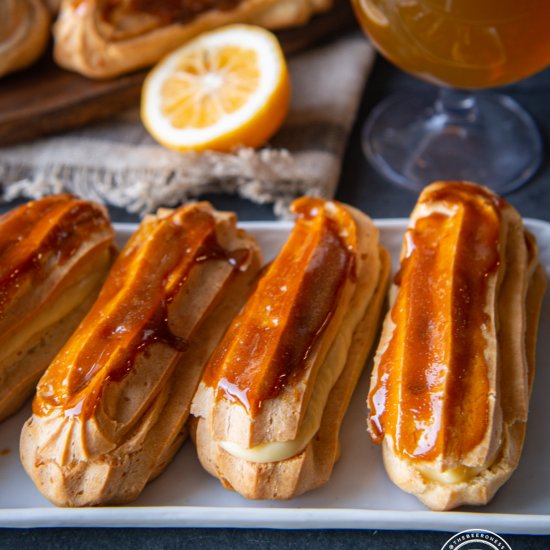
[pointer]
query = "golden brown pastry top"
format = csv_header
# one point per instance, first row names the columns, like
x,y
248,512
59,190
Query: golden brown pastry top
x,y
105,38
431,391
167,11
266,347
131,313
24,33
134,17
39,236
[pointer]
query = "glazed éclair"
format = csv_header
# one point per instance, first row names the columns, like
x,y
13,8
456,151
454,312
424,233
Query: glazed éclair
x,y
54,255
274,393
112,408
454,368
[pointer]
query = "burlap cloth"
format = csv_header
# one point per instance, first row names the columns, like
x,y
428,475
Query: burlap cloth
x,y
119,163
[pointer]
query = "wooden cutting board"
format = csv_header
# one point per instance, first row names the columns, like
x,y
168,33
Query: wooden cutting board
x,y
45,99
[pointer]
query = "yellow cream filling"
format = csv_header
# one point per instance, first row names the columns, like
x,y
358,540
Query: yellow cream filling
x,y
460,474
48,316
327,376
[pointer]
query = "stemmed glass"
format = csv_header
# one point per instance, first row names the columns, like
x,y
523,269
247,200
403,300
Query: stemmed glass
x,y
463,46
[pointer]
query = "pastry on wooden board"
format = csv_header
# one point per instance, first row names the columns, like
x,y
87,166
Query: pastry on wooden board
x,y
454,368
24,33
106,38
112,408
269,407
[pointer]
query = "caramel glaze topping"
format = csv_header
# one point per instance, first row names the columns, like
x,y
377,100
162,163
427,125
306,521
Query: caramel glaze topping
x,y
131,312
41,235
431,393
267,345
165,11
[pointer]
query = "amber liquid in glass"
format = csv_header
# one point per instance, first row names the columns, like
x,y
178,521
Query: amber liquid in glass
x,y
461,43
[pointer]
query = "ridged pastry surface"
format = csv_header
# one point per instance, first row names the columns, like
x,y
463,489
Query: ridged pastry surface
x,y
40,236
432,389
267,346
270,405
54,255
131,17
37,240
24,32
111,410
452,376
131,313
105,38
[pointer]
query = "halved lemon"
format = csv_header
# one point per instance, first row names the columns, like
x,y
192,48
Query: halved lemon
x,y
224,89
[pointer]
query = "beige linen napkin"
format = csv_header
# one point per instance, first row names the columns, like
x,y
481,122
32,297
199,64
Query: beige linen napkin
x,y
118,162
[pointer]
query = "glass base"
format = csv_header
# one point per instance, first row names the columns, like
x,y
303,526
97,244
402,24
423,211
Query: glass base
x,y
484,138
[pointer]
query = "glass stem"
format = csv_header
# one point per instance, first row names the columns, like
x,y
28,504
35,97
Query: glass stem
x,y
457,105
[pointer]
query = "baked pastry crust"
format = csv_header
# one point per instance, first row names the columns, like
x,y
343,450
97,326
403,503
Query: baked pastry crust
x,y
24,33
262,390
102,44
53,5
54,255
290,13
454,368
111,410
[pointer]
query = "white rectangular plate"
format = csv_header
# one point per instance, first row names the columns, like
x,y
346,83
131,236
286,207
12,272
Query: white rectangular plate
x,y
359,494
